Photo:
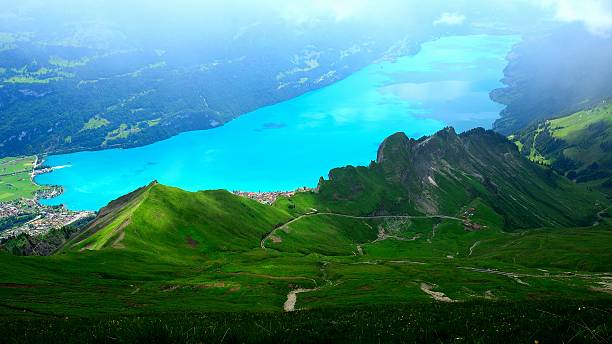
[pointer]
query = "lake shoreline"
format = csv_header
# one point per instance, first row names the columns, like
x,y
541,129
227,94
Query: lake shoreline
x,y
291,144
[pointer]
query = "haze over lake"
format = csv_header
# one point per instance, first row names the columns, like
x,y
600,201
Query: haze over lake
x,y
291,144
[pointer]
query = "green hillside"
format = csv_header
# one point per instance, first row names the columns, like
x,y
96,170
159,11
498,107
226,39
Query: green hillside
x,y
160,219
578,145
372,247
444,174
83,86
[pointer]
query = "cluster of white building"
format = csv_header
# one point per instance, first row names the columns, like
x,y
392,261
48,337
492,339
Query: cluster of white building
x,y
270,196
46,218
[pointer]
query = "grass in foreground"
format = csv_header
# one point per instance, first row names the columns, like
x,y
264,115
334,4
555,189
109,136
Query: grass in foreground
x,y
470,322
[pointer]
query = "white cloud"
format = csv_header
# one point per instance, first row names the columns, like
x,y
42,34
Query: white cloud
x,y
448,18
596,15
304,12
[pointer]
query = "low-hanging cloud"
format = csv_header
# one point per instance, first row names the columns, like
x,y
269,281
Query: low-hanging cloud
x,y
301,12
596,15
448,18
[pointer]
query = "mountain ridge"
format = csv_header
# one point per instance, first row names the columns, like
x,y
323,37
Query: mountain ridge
x,y
439,175
444,172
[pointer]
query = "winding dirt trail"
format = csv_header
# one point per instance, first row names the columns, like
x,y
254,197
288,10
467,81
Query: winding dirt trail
x,y
473,247
289,305
284,226
436,295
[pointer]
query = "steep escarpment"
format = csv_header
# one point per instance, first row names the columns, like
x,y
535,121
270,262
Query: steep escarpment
x,y
447,172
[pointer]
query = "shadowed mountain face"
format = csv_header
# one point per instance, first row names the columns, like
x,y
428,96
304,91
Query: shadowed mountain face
x,y
554,75
446,172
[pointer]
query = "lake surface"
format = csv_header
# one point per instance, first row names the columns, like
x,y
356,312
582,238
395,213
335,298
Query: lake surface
x,y
293,143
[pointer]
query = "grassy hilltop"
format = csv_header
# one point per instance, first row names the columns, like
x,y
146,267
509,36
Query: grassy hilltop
x,y
481,258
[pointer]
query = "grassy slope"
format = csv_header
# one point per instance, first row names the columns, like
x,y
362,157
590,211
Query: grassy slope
x,y
158,269
163,286
164,220
572,144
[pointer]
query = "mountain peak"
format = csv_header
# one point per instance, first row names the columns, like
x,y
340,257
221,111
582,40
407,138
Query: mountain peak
x,y
397,143
444,172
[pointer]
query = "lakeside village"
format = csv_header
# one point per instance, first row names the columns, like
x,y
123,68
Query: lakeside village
x,y
270,196
28,216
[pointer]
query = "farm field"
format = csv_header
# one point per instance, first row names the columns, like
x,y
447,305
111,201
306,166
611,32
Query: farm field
x,y
15,178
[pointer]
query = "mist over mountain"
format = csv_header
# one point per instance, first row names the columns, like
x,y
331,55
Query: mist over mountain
x,y
554,74
93,75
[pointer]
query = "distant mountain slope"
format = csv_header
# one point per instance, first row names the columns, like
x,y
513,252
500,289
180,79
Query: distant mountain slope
x,y
447,173
554,75
578,145
58,94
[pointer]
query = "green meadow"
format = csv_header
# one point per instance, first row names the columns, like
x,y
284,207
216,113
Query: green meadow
x,y
162,264
15,180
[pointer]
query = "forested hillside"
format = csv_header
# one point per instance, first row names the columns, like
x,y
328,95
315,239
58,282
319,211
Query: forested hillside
x,y
58,96
554,74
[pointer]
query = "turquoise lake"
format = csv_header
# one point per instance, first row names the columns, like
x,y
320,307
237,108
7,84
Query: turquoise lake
x,y
291,144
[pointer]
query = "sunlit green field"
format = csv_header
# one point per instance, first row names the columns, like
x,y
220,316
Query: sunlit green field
x,y
15,181
172,270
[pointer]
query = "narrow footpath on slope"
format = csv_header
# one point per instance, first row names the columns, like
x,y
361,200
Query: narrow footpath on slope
x,y
285,225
